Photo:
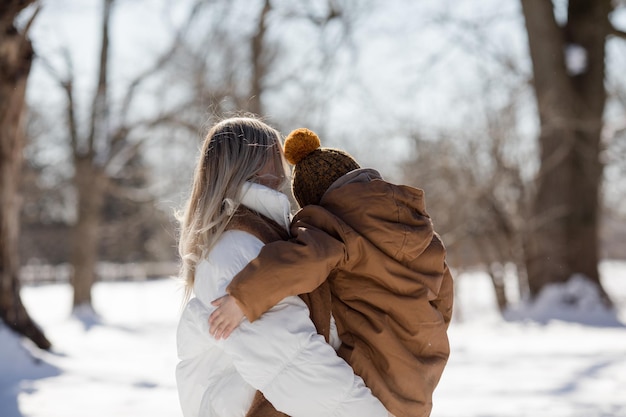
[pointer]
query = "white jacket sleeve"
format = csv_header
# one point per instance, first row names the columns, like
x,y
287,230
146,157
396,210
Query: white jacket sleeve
x,y
282,355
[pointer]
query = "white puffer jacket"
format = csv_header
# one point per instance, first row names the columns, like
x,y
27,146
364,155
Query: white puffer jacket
x,y
280,354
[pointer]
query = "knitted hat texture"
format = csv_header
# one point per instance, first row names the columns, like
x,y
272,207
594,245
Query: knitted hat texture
x,y
315,168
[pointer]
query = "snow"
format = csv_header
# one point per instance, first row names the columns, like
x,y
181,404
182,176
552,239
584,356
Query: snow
x,y
121,362
577,300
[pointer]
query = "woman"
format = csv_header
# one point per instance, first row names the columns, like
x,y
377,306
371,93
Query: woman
x,y
235,207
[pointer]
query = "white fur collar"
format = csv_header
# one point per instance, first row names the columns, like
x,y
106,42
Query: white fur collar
x,y
268,202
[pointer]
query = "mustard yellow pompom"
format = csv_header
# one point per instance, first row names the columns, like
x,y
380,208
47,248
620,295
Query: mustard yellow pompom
x,y
299,144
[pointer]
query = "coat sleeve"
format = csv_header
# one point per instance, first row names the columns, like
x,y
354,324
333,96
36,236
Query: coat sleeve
x,y
282,355
292,267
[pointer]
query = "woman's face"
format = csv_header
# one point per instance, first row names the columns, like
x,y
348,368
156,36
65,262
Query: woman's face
x,y
271,175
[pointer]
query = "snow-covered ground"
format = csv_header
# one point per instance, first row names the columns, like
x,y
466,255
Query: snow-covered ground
x,y
122,363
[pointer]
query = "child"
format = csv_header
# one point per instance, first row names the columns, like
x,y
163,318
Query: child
x,y
374,243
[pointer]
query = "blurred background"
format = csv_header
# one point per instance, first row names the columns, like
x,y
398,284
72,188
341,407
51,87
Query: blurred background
x,y
511,118
511,115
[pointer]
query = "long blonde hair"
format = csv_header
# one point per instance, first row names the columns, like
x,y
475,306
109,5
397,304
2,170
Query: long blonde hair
x,y
234,151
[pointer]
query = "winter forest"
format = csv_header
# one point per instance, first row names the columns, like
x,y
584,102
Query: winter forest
x,y
510,115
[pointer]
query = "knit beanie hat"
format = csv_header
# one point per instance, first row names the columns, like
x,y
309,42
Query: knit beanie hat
x,y
315,168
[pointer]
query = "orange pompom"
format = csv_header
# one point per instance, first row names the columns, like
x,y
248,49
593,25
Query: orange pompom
x,y
299,144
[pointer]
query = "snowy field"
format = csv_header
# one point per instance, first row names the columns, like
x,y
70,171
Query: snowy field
x,y
122,363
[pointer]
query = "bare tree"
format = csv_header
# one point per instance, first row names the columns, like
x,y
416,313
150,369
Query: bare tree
x,y
476,195
106,146
16,55
234,71
568,62
558,236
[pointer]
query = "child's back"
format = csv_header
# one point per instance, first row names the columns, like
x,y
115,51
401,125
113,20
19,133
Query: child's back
x,y
392,291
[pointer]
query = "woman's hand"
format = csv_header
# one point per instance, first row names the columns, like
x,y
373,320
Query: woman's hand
x,y
225,318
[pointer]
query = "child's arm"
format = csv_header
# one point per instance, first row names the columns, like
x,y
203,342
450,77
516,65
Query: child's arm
x,y
292,267
281,355
226,317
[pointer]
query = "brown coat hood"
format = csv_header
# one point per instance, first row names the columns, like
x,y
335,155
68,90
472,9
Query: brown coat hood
x,y
391,217
391,289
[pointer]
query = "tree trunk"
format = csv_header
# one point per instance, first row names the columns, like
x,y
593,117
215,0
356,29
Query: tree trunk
x,y
570,100
89,182
16,56
496,273
259,66
89,176
588,27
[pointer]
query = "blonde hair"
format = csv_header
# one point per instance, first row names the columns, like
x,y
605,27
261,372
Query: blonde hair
x,y
234,151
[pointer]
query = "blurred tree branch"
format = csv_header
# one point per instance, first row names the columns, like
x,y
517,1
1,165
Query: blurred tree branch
x,y
618,33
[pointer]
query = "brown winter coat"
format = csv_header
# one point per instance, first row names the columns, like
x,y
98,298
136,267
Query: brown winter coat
x,y
391,289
